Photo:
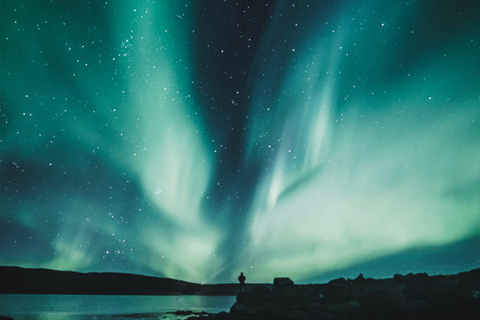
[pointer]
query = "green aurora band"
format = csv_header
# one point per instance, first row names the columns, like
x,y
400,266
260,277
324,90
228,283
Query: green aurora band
x,y
359,139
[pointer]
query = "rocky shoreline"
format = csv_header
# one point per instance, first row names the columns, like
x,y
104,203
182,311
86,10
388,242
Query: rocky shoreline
x,y
413,296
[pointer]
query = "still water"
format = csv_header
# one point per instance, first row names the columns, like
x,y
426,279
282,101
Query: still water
x,y
89,307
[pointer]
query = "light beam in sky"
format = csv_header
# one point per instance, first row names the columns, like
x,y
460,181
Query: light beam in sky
x,y
358,182
172,163
292,138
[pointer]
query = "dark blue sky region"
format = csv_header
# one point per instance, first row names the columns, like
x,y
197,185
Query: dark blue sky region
x,y
198,139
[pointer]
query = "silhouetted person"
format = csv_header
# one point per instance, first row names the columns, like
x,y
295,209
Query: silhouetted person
x,y
242,278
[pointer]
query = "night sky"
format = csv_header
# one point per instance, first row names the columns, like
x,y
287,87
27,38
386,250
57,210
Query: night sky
x,y
198,139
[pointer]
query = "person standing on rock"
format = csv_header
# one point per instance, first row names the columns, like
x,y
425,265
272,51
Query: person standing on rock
x,y
242,279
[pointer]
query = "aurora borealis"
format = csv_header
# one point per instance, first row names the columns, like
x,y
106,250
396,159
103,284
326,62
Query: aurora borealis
x,y
198,139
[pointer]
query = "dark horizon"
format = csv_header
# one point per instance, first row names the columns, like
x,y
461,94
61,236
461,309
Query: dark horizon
x,y
48,281
373,269
418,296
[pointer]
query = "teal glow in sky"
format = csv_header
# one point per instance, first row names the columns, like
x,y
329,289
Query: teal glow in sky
x,y
195,140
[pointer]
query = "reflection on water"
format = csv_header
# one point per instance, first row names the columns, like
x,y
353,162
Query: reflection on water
x,y
66,316
89,307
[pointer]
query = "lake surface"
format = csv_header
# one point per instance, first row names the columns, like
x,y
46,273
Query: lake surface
x,y
88,307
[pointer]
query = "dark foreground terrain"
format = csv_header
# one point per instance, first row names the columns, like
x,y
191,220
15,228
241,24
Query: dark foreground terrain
x,y
414,296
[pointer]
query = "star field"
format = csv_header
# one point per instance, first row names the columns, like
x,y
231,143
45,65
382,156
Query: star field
x,y
198,139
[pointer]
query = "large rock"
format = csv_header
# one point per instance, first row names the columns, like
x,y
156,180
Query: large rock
x,y
285,296
255,297
336,291
468,284
417,286
381,299
243,310
412,297
282,282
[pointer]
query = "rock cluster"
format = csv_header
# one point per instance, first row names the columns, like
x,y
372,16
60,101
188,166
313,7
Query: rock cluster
x,y
414,296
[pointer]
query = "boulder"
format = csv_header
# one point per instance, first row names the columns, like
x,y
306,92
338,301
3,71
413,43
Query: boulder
x,y
282,282
412,297
360,279
381,299
285,296
469,284
255,297
339,281
336,291
243,310
417,281
336,294
399,279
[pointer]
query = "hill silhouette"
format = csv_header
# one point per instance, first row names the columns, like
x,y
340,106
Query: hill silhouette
x,y
17,280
